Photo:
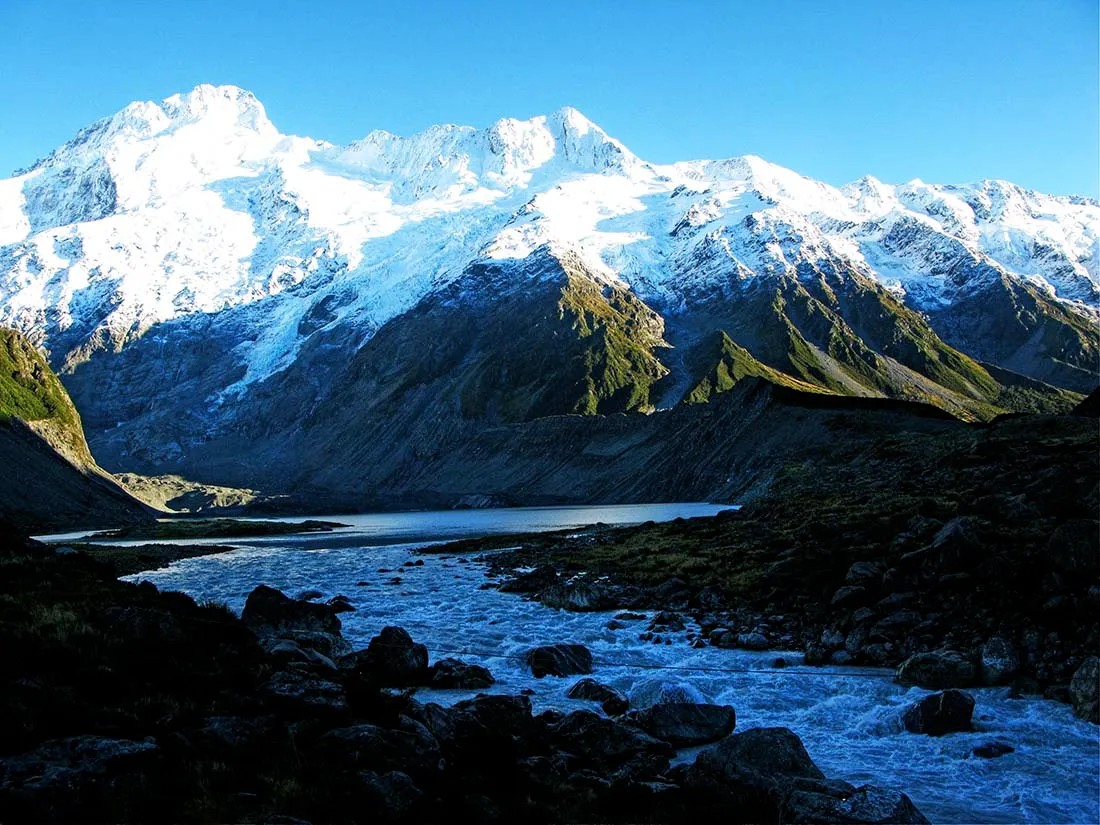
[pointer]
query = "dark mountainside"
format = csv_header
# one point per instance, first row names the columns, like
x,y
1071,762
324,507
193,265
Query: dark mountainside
x,y
49,478
973,553
513,342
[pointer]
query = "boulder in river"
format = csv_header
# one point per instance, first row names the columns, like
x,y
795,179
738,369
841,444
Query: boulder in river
x,y
868,805
612,701
684,724
940,713
559,660
607,744
577,596
1084,690
938,670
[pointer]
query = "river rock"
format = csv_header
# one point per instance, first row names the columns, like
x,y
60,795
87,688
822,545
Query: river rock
x,y
937,670
752,641
1084,690
672,594
577,596
664,691
999,662
992,750
684,724
850,596
758,753
612,701
457,675
559,660
940,713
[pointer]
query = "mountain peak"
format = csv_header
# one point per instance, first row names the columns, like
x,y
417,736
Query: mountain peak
x,y
227,102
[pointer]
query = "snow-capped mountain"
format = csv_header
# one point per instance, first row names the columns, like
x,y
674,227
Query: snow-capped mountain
x,y
194,220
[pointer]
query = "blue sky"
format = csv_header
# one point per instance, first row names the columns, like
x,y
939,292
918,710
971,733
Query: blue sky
x,y
944,91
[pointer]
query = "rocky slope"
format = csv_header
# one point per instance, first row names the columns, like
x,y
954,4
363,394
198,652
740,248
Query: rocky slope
x,y
972,552
50,480
204,283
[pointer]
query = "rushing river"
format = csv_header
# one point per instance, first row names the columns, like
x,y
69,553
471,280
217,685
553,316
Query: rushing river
x,y
849,719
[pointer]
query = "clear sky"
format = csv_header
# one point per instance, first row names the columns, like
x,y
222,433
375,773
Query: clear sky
x,y
835,89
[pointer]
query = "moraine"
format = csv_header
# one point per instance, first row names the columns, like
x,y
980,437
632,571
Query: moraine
x,y
849,719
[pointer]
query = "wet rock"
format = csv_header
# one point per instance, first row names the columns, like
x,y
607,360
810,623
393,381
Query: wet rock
x,y
663,691
752,641
940,713
559,660
614,624
626,616
612,701
832,639
577,596
683,724
341,604
457,675
288,652
607,744
758,753
1084,690
666,621
992,750
309,595
937,670
999,662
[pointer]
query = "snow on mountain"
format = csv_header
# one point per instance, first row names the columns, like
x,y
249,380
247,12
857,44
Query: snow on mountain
x,y
198,204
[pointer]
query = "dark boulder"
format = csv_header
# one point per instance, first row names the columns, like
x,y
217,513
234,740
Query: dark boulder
x,y
391,659
672,594
866,574
612,701
940,713
937,670
454,674
685,724
850,596
608,745
867,805
1084,690
761,752
992,750
577,596
559,660
531,582
410,748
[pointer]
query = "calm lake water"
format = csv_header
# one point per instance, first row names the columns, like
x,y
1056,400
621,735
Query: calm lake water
x,y
849,719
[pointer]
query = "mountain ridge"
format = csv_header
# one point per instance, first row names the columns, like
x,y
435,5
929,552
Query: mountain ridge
x,y
191,239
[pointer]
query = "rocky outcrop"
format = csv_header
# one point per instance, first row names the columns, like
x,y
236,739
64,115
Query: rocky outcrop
x,y
275,617
453,674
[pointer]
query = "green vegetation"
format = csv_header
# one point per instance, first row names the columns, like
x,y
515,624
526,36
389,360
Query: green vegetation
x,y
719,363
28,387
